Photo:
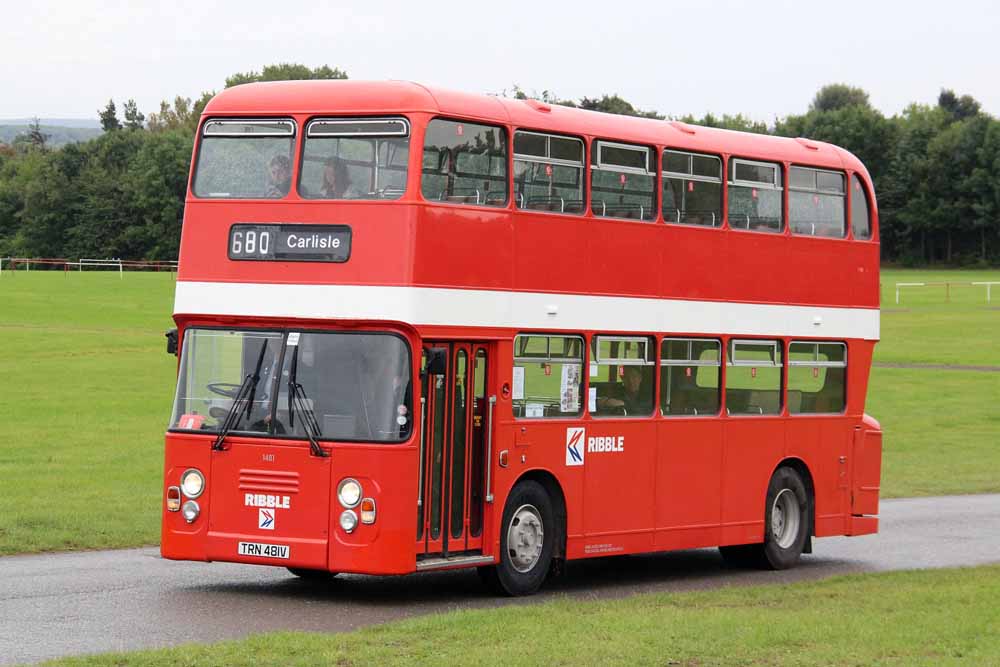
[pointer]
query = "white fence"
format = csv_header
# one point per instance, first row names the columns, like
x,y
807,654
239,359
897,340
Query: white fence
x,y
947,287
122,265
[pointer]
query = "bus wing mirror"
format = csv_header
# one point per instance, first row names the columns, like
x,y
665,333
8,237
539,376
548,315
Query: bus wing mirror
x,y
171,342
437,361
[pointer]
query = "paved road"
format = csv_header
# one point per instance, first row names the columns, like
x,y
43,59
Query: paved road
x,y
66,604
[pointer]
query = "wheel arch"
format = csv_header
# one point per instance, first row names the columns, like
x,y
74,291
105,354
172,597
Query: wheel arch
x,y
799,466
551,485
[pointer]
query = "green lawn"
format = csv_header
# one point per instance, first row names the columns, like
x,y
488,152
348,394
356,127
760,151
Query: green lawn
x,y
88,389
942,617
924,328
87,392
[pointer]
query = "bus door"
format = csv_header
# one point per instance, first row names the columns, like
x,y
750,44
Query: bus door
x,y
453,450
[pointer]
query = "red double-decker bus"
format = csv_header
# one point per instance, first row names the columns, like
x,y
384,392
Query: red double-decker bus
x,y
421,329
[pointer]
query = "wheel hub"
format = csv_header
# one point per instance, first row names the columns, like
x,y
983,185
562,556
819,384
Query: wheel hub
x,y
525,537
786,516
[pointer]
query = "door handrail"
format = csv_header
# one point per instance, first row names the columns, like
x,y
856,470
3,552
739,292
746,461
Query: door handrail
x,y
423,435
489,449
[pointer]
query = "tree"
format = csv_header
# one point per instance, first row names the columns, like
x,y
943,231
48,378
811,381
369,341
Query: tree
x,y
286,72
109,118
727,122
37,138
133,117
959,108
838,96
615,104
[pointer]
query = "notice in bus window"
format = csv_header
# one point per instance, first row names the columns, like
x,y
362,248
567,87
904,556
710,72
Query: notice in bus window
x,y
534,410
569,388
518,390
592,399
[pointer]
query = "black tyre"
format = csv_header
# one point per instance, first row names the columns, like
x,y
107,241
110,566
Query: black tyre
x,y
527,539
786,526
312,575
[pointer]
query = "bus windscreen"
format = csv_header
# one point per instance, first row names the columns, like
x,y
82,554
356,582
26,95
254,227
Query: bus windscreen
x,y
355,385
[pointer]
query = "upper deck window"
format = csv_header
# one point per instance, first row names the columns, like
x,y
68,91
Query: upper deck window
x,y
755,196
245,159
465,163
861,222
548,172
355,158
816,202
622,181
692,189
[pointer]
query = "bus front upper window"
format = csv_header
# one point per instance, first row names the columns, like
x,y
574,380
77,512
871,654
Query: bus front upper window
x,y
244,159
346,158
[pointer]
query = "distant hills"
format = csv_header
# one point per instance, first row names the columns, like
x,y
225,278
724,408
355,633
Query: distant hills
x,y
61,131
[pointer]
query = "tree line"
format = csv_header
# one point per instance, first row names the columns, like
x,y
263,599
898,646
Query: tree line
x,y
936,170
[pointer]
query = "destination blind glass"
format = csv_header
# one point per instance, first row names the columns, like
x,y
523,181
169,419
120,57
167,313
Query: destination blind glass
x,y
290,243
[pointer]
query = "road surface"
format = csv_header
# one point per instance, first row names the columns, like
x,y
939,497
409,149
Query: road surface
x,y
67,604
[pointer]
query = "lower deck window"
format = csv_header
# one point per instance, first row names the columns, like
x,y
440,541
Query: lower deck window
x,y
817,377
689,376
621,376
548,377
753,377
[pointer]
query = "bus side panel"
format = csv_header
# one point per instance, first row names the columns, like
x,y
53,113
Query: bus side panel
x,y
820,442
688,482
388,475
753,446
180,540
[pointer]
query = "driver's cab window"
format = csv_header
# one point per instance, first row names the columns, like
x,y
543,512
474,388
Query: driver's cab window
x,y
621,376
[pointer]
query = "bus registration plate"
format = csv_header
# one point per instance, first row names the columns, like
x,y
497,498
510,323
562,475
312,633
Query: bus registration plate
x,y
264,550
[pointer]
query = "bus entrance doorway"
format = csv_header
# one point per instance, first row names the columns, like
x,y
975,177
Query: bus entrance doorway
x,y
453,450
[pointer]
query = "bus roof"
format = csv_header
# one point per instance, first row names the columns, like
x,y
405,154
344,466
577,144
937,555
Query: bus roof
x,y
370,97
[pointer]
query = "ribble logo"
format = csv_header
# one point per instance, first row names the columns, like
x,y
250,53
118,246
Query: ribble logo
x,y
574,445
265,519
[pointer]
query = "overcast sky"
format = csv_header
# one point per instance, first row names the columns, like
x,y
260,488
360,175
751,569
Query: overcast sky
x,y
764,59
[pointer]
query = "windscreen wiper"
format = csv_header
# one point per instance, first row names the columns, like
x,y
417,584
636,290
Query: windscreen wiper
x,y
297,400
244,396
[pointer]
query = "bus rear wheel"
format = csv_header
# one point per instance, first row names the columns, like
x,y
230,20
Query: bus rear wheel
x,y
527,541
786,526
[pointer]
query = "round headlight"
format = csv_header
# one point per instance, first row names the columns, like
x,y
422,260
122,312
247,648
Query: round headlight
x,y
190,511
348,521
349,492
192,483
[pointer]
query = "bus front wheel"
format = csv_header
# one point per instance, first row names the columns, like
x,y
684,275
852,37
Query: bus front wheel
x,y
527,541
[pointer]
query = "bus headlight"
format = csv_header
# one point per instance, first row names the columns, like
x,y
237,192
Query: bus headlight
x,y
190,511
349,492
348,521
192,483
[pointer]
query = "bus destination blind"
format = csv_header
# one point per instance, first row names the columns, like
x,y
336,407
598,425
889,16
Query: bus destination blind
x,y
290,243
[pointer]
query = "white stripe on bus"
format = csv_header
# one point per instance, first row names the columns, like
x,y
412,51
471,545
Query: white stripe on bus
x,y
521,310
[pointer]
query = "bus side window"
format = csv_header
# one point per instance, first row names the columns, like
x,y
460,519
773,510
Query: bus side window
x,y
464,163
817,376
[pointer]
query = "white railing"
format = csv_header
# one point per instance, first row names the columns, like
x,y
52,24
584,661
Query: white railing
x,y
947,287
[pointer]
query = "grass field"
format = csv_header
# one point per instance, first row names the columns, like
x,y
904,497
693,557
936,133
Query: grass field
x,y
935,618
87,389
